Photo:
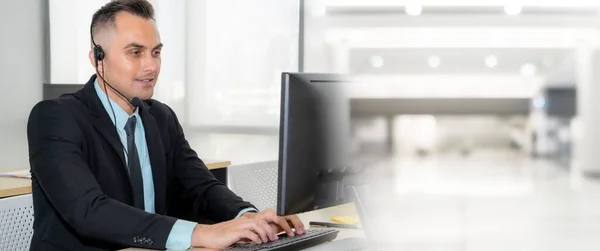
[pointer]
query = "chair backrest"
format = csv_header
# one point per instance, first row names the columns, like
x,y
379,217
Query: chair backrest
x,y
16,222
255,183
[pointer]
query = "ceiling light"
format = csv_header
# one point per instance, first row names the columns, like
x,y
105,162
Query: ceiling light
x,y
491,61
513,10
376,61
528,70
539,102
413,9
434,61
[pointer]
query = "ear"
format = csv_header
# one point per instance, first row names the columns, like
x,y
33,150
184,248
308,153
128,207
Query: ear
x,y
93,61
91,57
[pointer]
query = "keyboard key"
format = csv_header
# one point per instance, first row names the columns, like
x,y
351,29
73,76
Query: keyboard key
x,y
310,238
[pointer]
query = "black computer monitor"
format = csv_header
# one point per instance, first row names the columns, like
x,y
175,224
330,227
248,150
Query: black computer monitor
x,y
314,136
51,91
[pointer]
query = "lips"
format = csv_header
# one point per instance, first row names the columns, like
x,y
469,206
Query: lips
x,y
145,81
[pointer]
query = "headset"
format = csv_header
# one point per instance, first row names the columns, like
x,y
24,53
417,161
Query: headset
x,y
99,56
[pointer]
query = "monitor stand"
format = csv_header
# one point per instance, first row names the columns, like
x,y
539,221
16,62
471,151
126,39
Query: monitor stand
x,y
354,184
358,193
351,185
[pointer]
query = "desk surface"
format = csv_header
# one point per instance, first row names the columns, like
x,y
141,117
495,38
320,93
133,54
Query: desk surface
x,y
318,215
10,186
14,186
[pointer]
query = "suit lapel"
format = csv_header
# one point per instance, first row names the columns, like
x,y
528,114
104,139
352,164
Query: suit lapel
x,y
157,158
102,122
108,132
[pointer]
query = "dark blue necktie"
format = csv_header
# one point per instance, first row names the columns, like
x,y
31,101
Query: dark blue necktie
x,y
133,163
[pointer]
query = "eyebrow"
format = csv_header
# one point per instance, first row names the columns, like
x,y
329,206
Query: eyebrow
x,y
139,46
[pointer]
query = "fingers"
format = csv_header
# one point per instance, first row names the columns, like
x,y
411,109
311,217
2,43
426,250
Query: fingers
x,y
286,223
262,228
269,231
282,222
296,222
270,215
258,227
250,235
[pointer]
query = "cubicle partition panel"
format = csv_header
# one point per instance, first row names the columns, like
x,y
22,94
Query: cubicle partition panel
x,y
16,222
256,183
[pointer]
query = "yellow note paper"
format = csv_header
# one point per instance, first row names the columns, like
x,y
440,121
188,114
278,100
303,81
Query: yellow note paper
x,y
351,220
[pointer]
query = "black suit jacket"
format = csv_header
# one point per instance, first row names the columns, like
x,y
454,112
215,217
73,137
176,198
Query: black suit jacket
x,y
81,192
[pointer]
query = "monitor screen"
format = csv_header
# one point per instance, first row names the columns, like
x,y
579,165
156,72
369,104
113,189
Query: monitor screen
x,y
313,143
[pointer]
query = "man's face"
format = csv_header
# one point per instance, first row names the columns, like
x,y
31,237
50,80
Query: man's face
x,y
132,55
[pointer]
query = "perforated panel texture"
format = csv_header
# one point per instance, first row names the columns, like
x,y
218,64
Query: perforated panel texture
x,y
255,183
16,221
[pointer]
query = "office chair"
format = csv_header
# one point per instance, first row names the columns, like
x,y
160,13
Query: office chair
x,y
16,222
255,183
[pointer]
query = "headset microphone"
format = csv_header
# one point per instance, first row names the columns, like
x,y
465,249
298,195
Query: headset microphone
x,y
135,102
99,56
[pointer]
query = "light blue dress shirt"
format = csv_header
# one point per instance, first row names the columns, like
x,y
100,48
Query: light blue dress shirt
x,y
180,237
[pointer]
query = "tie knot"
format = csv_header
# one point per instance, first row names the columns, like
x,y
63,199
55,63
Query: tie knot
x,y
130,126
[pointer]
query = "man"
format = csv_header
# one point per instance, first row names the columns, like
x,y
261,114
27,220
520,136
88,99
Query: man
x,y
104,163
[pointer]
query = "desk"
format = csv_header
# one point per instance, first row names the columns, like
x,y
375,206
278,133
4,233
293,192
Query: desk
x,y
14,186
18,186
317,215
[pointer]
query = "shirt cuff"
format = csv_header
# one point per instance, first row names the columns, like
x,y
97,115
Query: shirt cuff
x,y
245,210
180,237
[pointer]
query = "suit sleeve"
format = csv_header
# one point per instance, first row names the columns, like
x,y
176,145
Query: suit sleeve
x,y
210,196
58,163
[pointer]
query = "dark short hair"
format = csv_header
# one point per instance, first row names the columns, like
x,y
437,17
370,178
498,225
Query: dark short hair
x,y
106,15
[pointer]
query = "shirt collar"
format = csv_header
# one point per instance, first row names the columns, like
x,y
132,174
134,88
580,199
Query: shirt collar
x,y
121,115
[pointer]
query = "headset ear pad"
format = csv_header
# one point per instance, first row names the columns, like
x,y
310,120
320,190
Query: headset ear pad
x,y
98,53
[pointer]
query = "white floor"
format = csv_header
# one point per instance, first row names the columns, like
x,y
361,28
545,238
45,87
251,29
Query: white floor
x,y
491,200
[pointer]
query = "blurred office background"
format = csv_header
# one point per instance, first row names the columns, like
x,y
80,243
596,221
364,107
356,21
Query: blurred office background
x,y
505,72
489,104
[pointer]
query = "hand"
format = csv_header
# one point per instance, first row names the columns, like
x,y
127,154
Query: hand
x,y
227,233
278,223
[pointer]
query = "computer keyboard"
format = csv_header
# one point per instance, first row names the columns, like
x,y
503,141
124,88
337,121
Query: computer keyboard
x,y
310,238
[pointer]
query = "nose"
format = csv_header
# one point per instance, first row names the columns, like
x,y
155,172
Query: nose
x,y
150,64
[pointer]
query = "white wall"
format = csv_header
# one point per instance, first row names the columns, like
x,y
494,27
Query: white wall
x,y
241,49
445,86
171,22
70,40
236,51
21,68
